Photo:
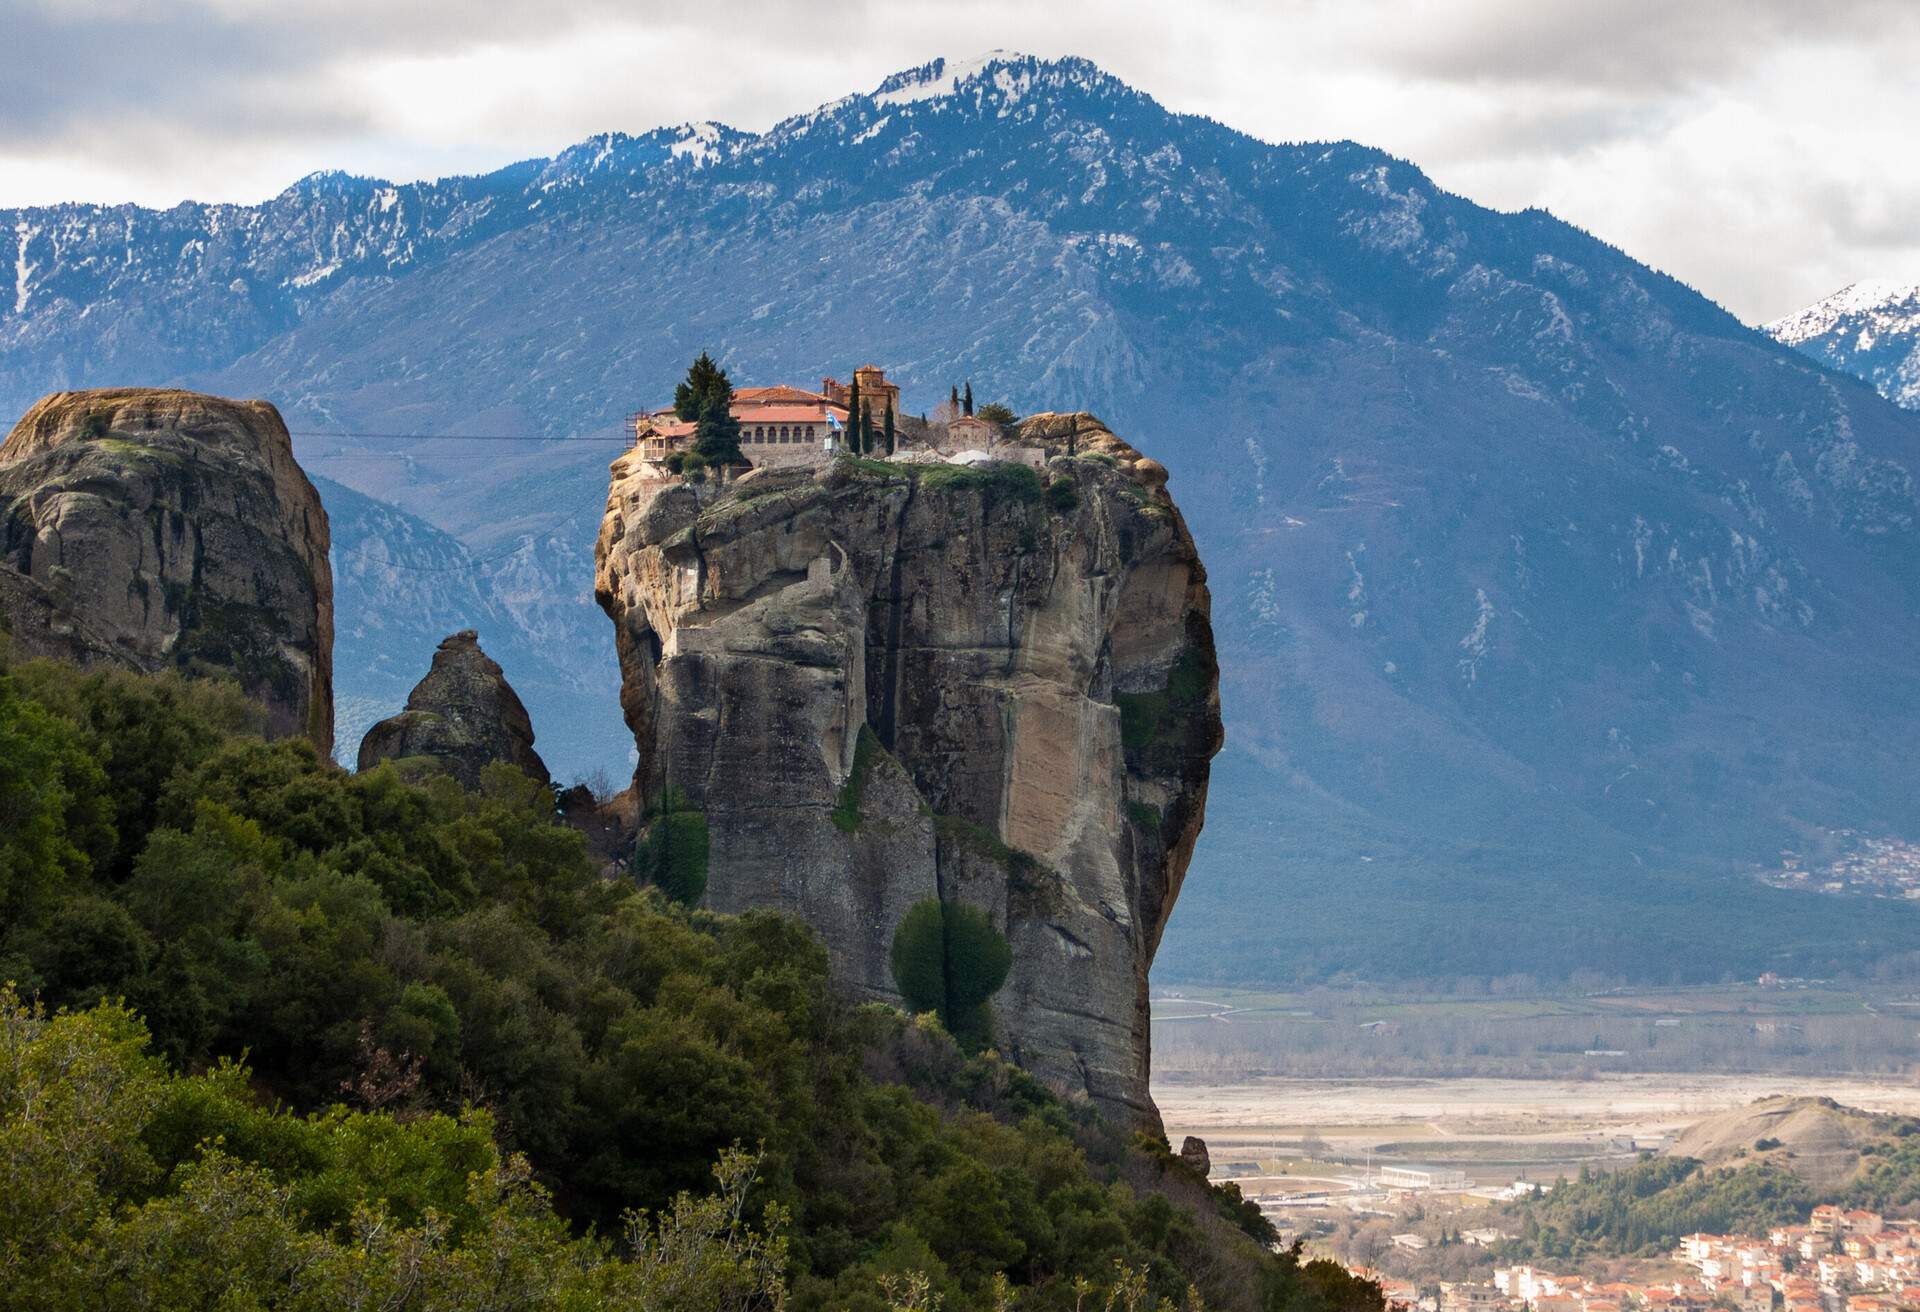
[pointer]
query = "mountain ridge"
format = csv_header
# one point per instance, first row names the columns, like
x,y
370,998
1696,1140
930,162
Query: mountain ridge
x,y
1868,330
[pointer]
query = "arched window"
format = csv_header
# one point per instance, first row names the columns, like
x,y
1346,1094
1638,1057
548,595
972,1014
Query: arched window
x,y
784,433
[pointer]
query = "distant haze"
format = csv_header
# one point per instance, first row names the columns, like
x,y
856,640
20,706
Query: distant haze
x,y
1753,148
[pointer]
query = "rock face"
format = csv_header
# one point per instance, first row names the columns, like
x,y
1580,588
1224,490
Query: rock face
x,y
887,683
161,529
464,714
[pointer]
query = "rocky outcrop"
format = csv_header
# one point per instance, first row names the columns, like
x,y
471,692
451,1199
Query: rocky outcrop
x,y
463,714
884,683
159,529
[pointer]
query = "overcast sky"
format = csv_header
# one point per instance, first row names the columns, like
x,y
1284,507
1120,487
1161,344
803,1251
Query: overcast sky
x,y
1762,150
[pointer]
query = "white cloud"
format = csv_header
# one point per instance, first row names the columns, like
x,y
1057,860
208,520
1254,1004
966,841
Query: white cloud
x,y
1758,149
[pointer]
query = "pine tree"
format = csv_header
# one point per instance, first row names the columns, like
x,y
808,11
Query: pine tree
x,y
716,437
966,402
706,397
888,429
704,379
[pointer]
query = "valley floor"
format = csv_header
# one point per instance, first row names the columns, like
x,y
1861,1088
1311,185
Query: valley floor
x,y
1496,1130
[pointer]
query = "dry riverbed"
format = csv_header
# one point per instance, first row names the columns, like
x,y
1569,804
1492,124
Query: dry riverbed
x,y
1499,1129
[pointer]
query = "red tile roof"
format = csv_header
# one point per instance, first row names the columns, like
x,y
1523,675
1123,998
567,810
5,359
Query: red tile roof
x,y
776,395
782,414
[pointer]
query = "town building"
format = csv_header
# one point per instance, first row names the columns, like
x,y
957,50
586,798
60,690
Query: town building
x,y
1419,1177
783,426
779,426
877,393
1470,1296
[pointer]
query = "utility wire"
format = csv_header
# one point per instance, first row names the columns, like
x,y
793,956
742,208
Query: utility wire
x,y
471,562
474,562
454,437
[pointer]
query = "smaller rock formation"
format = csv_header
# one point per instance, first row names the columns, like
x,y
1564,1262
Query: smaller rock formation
x,y
464,714
153,529
1193,1151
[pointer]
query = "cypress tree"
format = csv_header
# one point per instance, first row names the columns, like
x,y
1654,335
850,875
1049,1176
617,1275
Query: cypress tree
x,y
966,402
888,429
853,416
866,430
953,398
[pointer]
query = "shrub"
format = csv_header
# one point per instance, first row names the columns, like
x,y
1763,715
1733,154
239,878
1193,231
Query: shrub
x,y
949,959
672,854
920,957
1000,480
846,815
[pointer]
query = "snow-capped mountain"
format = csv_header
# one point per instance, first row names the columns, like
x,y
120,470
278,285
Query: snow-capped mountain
x,y
1548,593
1870,330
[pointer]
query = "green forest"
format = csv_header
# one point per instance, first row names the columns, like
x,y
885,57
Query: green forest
x,y
1644,1210
277,1035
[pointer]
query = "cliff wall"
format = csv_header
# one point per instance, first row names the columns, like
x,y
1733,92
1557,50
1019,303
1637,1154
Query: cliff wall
x,y
882,683
155,529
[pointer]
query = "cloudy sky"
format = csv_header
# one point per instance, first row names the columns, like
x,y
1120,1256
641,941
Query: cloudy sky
x,y
1762,150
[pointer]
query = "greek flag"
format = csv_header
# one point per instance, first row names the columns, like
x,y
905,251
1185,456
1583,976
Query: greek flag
x,y
833,425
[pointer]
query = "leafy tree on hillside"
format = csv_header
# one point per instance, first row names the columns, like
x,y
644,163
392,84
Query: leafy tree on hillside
x,y
133,1187
1646,1208
996,413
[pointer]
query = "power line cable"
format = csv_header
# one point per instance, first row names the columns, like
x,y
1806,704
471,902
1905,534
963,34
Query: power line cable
x,y
472,561
376,454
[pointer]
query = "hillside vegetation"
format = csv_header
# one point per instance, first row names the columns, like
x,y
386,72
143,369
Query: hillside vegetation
x,y
386,1036
1645,1209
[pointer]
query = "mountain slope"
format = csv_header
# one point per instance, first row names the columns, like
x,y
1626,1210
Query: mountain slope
x,y
1870,330
1544,587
